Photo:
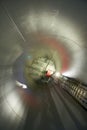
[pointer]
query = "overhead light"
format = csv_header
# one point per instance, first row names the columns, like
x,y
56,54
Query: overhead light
x,y
24,86
21,85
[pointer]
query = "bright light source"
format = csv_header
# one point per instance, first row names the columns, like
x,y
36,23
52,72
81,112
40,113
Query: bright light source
x,y
21,85
24,86
57,74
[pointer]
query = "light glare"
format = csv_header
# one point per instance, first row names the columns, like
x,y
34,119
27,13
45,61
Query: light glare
x,y
21,85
